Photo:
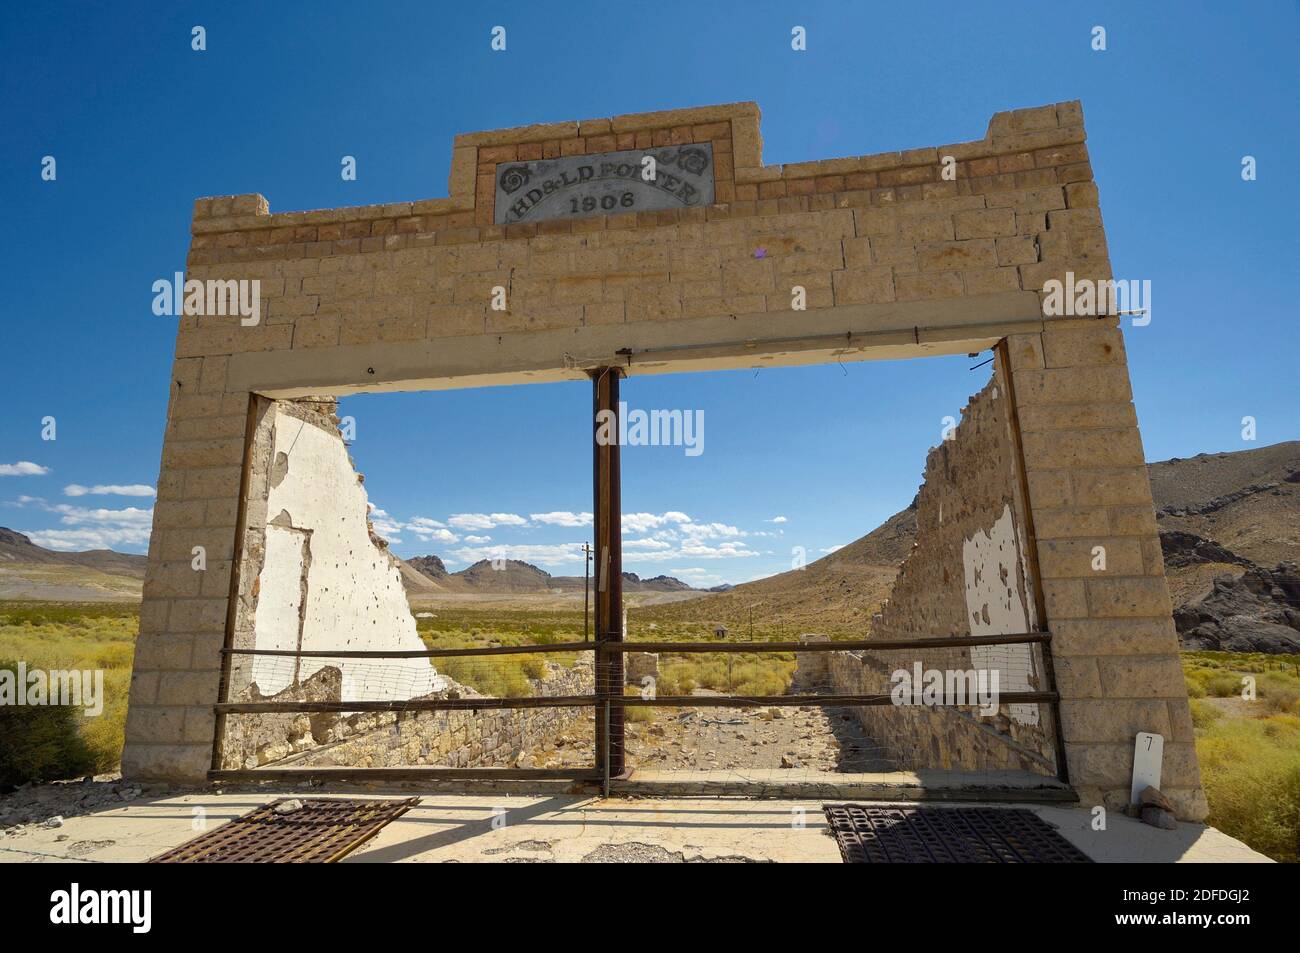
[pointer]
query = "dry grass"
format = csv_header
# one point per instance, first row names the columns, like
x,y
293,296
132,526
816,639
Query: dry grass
x,y
1249,751
95,636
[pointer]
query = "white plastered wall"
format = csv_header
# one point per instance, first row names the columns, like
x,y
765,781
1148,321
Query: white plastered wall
x,y
997,606
324,583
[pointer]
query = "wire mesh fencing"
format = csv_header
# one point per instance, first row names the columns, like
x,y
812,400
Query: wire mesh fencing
x,y
959,709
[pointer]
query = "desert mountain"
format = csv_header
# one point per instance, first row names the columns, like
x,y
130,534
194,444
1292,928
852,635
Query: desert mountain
x,y
654,583
430,566
1226,520
28,571
515,576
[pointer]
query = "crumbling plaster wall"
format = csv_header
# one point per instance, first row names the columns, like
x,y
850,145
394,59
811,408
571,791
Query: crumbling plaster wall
x,y
317,576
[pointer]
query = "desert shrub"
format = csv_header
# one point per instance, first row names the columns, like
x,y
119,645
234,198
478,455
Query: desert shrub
x,y
106,733
115,655
489,676
762,683
1251,771
1204,714
40,742
1223,685
533,666
1281,690
711,674
638,713
676,678
1195,688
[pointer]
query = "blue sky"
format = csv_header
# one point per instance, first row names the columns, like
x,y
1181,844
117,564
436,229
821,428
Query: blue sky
x,y
141,125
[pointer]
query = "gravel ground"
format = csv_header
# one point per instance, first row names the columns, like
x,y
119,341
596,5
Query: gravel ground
x,y
47,805
705,739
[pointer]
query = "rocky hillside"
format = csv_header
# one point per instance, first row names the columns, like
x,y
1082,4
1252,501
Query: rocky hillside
x,y
1229,526
1247,501
1230,531
837,593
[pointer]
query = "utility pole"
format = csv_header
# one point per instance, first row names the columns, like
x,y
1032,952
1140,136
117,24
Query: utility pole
x,y
586,591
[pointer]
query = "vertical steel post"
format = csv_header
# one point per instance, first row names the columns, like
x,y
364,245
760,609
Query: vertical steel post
x,y
608,519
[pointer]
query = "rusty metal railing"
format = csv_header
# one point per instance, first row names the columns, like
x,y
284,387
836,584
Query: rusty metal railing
x,y
604,701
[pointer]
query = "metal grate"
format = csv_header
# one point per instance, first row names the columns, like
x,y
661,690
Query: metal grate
x,y
321,831
934,835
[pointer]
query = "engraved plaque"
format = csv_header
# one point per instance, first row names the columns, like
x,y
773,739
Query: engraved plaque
x,y
605,184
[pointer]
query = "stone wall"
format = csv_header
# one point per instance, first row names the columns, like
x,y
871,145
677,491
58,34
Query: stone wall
x,y
252,740
459,739
921,738
966,575
935,250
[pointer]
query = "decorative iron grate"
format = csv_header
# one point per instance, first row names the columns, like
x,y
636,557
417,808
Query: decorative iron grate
x,y
940,835
320,831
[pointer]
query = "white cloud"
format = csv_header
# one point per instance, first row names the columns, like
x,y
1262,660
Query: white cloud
x,y
831,549
651,538
698,550
697,577
431,531
561,518
434,535
391,532
709,530
645,522
95,528
777,519
531,553
109,489
66,540
23,468
426,529
485,520
693,549
647,543
384,525
130,516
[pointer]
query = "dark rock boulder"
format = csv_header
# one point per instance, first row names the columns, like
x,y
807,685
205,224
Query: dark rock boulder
x,y
1260,612
1187,549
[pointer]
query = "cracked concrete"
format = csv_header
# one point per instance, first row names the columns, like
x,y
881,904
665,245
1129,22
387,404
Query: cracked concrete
x,y
567,828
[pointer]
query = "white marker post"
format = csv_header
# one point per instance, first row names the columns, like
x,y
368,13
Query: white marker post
x,y
1148,755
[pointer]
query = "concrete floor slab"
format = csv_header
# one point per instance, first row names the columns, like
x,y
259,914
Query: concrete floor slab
x,y
567,828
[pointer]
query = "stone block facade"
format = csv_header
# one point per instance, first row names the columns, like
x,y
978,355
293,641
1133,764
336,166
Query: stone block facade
x,y
933,250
